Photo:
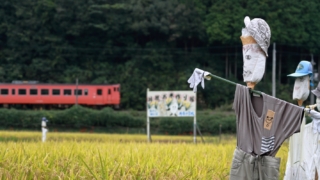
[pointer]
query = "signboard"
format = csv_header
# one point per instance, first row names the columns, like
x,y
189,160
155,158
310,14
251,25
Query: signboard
x,y
171,104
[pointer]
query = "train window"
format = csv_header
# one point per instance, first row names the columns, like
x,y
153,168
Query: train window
x,y
86,92
13,91
79,92
67,92
109,91
114,89
33,92
44,91
4,91
22,91
99,91
55,91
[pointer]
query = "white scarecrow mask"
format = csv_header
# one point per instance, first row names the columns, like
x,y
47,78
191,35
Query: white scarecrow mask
x,y
255,40
254,61
316,92
318,102
301,88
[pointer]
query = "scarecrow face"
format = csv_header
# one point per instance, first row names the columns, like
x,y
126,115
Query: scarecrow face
x,y
254,61
301,88
318,102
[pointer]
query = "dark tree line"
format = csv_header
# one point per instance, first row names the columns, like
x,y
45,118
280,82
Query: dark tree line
x,y
151,44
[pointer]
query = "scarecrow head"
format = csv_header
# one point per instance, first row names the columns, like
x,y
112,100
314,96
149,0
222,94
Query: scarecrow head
x,y
255,40
302,84
316,92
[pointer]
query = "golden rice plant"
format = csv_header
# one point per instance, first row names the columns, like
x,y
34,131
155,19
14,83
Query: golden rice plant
x,y
115,156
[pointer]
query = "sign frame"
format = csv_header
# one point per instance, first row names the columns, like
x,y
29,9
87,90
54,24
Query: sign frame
x,y
171,104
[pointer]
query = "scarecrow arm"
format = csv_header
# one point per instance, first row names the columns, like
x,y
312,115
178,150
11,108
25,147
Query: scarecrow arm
x,y
198,76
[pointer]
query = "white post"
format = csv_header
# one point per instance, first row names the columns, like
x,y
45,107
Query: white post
x,y
274,70
148,129
195,120
148,119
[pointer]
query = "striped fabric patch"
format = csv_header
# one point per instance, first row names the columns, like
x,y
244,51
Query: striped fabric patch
x,y
267,144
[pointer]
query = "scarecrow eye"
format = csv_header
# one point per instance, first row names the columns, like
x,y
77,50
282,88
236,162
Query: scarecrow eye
x,y
248,57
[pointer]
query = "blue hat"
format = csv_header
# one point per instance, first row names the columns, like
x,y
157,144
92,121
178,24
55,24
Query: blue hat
x,y
304,68
44,119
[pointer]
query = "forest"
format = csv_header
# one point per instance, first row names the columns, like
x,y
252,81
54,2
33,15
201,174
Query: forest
x,y
144,44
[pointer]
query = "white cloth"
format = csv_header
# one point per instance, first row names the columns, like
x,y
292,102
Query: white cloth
x,y
316,117
301,88
316,124
311,151
317,103
254,63
44,134
294,170
198,76
44,130
316,127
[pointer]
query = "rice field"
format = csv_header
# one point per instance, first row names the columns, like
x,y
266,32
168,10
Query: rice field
x,y
116,156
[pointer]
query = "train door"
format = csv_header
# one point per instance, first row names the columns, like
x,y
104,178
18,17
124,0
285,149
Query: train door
x,y
108,96
98,96
115,95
